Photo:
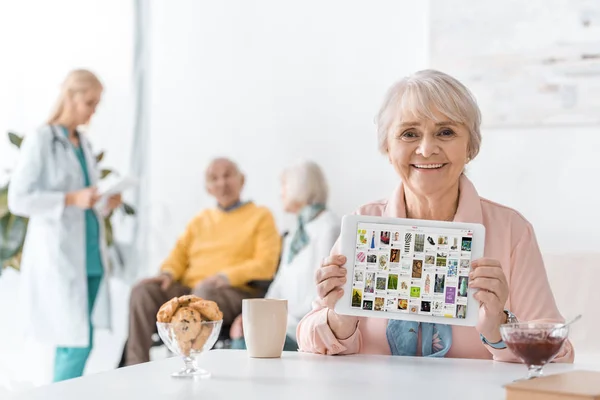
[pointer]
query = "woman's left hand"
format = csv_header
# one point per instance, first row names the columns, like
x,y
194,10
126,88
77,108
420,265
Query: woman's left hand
x,y
487,276
114,201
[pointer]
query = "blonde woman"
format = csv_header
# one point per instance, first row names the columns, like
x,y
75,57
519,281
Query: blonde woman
x,y
64,256
304,194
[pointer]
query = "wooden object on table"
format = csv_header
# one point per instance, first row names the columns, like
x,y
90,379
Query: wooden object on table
x,y
574,385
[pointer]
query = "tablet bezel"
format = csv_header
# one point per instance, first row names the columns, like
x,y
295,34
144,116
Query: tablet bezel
x,y
348,239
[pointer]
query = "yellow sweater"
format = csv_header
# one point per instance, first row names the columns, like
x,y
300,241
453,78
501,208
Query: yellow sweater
x,y
243,244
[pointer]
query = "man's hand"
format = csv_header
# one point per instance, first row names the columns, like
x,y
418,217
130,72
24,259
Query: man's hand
x,y
217,281
165,280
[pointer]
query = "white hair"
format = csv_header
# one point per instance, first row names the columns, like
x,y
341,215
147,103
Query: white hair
x,y
305,183
420,94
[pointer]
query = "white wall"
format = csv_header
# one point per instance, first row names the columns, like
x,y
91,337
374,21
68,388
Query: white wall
x,y
40,41
267,82
548,175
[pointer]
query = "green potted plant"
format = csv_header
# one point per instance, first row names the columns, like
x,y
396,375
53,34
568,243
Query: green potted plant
x,y
14,228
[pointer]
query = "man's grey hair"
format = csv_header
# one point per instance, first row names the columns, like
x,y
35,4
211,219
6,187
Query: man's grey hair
x,y
223,159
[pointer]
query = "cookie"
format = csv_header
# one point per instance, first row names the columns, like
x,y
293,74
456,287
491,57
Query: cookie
x,y
187,323
187,299
186,315
200,341
209,309
167,310
185,347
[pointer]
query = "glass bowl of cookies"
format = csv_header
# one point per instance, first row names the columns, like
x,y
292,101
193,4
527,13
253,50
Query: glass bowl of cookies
x,y
189,326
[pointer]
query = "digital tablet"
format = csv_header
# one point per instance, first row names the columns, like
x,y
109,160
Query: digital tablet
x,y
410,269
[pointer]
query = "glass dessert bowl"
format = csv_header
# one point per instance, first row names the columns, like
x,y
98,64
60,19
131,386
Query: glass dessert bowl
x,y
189,341
536,344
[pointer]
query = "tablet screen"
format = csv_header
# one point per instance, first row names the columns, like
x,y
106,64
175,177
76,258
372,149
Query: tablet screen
x,y
419,270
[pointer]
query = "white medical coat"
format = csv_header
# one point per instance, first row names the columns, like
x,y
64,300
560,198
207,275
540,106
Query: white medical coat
x,y
54,301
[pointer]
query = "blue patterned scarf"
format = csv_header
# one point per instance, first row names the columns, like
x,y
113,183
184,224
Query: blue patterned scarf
x,y
300,239
402,337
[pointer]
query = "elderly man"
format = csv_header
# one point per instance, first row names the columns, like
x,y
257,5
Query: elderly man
x,y
220,252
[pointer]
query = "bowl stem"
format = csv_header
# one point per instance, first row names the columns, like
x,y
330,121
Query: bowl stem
x,y
191,370
535,371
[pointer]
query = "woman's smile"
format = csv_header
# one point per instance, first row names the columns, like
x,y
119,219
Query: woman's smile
x,y
430,167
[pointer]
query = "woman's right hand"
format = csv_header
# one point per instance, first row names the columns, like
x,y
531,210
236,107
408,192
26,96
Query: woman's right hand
x,y
84,198
330,279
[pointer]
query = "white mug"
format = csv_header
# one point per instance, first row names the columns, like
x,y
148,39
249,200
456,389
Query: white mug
x,y
265,323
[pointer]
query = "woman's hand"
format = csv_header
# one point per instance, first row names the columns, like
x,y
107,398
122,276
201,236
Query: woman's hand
x,y
84,198
114,201
487,276
330,279
237,328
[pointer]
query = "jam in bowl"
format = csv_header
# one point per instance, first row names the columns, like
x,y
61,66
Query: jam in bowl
x,y
536,344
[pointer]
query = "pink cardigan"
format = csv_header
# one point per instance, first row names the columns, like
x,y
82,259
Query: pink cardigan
x,y
509,239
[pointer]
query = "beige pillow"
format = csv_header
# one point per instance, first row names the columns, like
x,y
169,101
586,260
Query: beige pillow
x,y
575,282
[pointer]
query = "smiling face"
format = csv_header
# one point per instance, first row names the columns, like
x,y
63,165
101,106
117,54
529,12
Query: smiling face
x,y
225,182
429,126
429,155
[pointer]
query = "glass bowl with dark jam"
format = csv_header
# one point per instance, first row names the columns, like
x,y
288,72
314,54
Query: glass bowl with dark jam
x,y
536,344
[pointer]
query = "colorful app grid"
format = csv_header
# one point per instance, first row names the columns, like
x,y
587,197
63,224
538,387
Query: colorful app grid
x,y
420,270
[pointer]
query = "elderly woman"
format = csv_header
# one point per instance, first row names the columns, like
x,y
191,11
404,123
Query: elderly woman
x,y
428,127
304,194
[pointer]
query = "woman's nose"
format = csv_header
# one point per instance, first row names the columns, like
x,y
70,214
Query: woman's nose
x,y
428,147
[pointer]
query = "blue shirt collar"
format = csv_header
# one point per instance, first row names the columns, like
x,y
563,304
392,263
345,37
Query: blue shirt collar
x,y
233,207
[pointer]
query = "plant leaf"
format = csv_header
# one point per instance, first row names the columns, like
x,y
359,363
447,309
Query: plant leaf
x,y
109,231
105,172
14,262
3,200
13,230
129,210
99,156
15,139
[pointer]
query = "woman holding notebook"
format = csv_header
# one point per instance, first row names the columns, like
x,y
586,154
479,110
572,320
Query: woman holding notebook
x,y
429,129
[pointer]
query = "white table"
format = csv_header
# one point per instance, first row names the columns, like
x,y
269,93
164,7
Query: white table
x,y
298,376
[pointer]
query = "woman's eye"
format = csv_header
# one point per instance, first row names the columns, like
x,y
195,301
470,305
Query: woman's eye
x,y
447,132
409,135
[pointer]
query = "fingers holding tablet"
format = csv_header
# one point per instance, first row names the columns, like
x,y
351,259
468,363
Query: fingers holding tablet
x,y
336,259
488,277
330,278
330,271
331,290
